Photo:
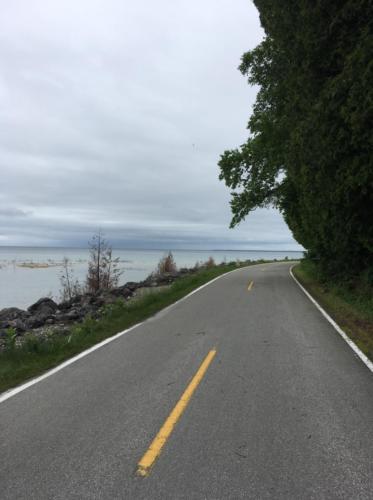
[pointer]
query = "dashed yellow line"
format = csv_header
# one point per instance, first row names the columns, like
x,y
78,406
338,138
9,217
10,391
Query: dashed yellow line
x,y
251,284
147,461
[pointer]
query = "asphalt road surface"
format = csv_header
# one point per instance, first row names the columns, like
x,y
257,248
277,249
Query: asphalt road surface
x,y
283,411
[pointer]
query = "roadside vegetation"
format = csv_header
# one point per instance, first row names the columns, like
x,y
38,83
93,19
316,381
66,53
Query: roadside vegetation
x,y
310,146
103,270
166,265
36,355
349,302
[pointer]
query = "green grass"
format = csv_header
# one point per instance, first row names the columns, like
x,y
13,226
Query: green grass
x,y
35,356
350,305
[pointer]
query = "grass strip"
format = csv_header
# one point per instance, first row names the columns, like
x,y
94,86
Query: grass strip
x,y
36,355
350,307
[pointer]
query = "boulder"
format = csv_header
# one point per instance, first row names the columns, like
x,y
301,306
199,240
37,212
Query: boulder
x,y
98,301
12,317
44,306
132,285
161,279
18,325
45,317
64,306
36,321
41,311
122,292
72,315
12,313
186,270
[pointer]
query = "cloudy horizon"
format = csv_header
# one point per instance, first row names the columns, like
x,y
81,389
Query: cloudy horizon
x,y
114,115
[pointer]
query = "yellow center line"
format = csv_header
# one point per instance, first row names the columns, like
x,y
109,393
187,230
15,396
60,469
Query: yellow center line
x,y
147,461
251,284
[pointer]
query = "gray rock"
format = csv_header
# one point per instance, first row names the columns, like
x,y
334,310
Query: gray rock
x,y
62,330
36,321
64,306
43,310
98,301
46,318
73,314
122,292
132,285
18,325
44,306
11,313
12,317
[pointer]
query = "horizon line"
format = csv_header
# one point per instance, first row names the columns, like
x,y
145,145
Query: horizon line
x,y
159,249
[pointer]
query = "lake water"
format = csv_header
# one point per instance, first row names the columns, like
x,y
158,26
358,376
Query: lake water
x,y
21,286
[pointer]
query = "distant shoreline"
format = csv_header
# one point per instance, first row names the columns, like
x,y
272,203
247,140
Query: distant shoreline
x,y
28,273
157,249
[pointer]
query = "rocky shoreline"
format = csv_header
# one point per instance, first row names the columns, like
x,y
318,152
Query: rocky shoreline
x,y
46,317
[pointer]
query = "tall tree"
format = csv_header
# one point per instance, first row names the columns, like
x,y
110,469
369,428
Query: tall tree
x,y
310,149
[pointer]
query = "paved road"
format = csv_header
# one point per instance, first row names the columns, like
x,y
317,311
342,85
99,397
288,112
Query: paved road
x,y
284,411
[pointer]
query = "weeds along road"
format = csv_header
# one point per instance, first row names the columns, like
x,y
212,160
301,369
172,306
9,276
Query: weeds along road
x,y
243,390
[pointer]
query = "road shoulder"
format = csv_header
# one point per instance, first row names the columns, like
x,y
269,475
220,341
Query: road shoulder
x,y
356,329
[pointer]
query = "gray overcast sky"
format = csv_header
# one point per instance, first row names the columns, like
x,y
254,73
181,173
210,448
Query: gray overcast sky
x,y
113,114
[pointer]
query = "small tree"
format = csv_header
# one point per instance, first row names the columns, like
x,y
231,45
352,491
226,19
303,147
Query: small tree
x,y
70,286
167,264
103,270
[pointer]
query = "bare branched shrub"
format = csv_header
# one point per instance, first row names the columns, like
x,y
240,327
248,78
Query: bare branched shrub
x,y
166,265
70,286
103,269
210,262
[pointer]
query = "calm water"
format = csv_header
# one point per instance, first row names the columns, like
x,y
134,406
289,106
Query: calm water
x,y
21,286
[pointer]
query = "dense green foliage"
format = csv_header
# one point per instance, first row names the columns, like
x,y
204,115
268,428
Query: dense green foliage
x,y
310,147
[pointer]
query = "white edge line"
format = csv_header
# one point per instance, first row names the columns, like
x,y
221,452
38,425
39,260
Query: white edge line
x,y
12,392
345,337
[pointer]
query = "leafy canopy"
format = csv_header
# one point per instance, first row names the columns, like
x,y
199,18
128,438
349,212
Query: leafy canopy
x,y
309,152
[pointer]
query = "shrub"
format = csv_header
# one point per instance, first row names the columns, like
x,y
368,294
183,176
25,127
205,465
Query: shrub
x,y
103,269
166,264
210,262
70,286
10,339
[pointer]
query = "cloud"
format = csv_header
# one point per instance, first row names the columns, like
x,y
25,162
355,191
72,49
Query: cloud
x,y
13,212
114,115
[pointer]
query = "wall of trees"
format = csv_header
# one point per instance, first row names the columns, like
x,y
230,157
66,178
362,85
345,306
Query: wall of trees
x,y
310,147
